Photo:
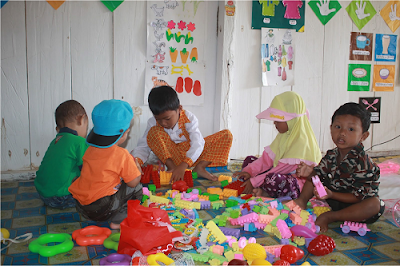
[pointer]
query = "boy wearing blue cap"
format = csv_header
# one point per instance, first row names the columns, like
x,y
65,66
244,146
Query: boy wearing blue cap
x,y
110,176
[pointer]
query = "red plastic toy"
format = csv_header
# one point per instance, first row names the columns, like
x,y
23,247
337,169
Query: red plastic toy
x,y
188,178
146,177
321,245
155,176
237,185
281,262
360,228
91,235
291,253
238,262
180,185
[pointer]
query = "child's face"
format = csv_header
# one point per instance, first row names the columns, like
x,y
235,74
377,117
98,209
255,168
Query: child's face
x,y
168,119
82,127
347,132
282,127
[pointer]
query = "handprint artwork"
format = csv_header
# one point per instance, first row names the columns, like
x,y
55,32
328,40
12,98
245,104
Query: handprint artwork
x,y
391,14
325,9
361,12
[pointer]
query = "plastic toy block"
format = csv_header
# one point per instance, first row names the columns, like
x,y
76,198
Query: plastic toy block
x,y
273,204
360,228
304,217
237,185
235,246
290,204
285,241
184,204
165,177
241,201
273,211
230,231
158,199
197,205
284,198
239,256
229,255
296,219
259,225
214,190
144,198
308,240
283,229
146,191
264,210
203,236
215,256
265,218
205,205
231,203
280,206
234,214
276,232
217,204
216,232
320,210
245,211
249,218
228,192
249,227
222,220
189,196
152,188
213,197
284,211
268,228
188,178
301,241
246,197
257,209
199,257
194,175
156,179
214,262
318,186
224,183
217,249
275,249
146,177
281,216
225,177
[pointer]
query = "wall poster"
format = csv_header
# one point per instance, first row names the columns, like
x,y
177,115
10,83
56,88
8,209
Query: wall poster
x,y
361,46
373,105
383,78
175,48
359,77
277,57
385,47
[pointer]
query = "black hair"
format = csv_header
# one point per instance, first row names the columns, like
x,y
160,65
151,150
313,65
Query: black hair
x,y
163,98
68,111
356,110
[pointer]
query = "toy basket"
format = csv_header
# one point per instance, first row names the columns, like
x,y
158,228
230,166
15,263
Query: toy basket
x,y
392,211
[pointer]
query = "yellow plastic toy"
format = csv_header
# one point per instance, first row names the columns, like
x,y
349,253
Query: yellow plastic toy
x,y
152,259
261,262
4,233
254,251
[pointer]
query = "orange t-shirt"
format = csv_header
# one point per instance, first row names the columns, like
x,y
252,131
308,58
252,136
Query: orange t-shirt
x,y
101,174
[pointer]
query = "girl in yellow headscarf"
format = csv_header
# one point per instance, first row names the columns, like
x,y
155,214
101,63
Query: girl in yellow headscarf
x,y
274,171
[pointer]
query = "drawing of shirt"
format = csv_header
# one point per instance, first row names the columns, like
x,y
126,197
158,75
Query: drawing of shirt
x,y
268,7
292,8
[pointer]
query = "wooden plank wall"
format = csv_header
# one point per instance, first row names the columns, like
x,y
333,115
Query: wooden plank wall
x,y
84,52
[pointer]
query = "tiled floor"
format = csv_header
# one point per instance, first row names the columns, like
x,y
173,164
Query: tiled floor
x,y
22,211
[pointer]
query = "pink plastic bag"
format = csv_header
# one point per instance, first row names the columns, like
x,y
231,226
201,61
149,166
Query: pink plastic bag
x,y
389,167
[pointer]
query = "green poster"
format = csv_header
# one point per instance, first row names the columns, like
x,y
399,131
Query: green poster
x,y
361,12
359,77
325,9
284,14
112,5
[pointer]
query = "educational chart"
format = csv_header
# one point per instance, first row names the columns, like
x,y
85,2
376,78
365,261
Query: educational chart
x,y
383,78
175,54
277,57
361,12
359,77
372,105
391,14
325,9
361,46
284,14
385,47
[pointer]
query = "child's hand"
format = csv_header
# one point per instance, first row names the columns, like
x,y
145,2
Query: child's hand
x,y
241,175
327,196
248,187
178,173
304,170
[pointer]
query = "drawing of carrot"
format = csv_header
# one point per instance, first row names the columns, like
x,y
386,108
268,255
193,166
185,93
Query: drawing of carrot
x,y
193,55
188,38
184,55
173,53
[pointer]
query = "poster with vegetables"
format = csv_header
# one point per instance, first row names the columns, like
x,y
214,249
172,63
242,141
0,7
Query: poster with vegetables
x,y
359,77
175,41
383,78
277,57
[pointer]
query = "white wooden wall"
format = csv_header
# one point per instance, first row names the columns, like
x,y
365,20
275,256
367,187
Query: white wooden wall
x,y
84,52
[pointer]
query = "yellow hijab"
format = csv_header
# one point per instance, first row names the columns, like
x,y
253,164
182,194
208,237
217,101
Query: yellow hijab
x,y
298,143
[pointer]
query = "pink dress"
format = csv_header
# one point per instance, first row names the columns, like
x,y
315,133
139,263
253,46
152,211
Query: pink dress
x,y
292,8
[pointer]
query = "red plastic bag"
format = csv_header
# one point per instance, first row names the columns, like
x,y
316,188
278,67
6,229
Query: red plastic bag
x,y
146,229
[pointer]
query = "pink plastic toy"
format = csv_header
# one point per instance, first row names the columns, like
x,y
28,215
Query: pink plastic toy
x,y
301,230
360,228
283,229
318,185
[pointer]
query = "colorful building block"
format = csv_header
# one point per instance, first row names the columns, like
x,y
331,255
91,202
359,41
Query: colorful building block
x,y
216,232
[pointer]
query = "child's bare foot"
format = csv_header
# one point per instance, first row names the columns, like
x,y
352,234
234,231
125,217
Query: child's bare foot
x,y
301,203
115,226
258,192
324,220
201,172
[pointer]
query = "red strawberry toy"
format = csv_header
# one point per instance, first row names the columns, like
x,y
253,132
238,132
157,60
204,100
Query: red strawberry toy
x,y
321,245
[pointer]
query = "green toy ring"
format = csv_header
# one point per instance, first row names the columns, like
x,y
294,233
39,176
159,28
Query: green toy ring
x,y
112,241
39,245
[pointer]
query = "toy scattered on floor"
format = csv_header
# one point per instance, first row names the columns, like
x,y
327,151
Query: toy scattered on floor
x,y
321,245
116,259
39,245
161,257
291,253
5,237
112,241
91,235
360,228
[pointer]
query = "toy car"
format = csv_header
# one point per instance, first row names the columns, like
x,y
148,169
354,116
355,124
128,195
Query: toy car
x,y
360,228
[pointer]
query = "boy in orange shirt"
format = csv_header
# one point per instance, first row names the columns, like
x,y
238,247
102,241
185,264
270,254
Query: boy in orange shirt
x,y
110,176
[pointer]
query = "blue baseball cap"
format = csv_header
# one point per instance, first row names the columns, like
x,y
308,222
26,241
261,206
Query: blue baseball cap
x,y
111,118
